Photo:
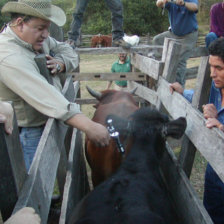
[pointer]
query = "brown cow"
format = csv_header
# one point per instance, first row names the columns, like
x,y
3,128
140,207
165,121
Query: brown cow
x,y
105,161
101,40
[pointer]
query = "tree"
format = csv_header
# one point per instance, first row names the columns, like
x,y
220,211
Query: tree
x,y
204,10
140,17
143,16
3,19
68,6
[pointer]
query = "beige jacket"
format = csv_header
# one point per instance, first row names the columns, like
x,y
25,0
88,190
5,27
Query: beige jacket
x,y
34,99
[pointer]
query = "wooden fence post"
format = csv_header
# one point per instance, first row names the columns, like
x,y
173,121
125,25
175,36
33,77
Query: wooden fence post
x,y
171,53
12,170
188,150
41,62
39,185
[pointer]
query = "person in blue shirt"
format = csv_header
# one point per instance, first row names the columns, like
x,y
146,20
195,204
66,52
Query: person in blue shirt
x,y
183,28
214,114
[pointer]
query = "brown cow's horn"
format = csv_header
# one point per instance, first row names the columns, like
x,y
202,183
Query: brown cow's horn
x,y
94,93
133,90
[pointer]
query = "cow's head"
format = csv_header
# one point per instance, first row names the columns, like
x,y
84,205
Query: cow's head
x,y
110,95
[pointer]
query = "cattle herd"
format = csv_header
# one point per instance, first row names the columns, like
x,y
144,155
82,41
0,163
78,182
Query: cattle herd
x,y
135,192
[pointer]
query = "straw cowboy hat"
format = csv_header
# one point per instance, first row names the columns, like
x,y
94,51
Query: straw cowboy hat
x,y
38,8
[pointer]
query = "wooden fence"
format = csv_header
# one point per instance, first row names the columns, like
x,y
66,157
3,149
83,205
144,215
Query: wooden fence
x,y
86,40
54,158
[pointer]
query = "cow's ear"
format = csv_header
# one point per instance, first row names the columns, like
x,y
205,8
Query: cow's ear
x,y
174,128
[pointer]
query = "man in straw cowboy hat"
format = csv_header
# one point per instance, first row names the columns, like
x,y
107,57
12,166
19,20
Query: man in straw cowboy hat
x,y
34,99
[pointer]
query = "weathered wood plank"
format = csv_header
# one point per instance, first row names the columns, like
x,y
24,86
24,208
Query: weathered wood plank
x,y
191,73
61,171
95,101
138,76
189,207
208,141
38,187
171,57
41,62
149,66
188,150
171,53
144,49
144,92
86,101
203,84
76,179
199,52
196,52
62,167
76,85
12,169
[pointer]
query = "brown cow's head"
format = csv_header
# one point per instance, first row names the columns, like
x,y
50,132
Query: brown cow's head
x,y
108,96
104,161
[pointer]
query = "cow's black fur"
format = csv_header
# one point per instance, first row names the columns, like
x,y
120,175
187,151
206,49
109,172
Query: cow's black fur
x,y
136,193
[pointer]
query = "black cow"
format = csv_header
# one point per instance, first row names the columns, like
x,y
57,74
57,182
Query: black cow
x,y
136,193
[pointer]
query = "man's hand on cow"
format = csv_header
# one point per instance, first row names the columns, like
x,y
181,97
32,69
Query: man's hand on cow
x,y
94,131
210,111
98,134
176,86
54,65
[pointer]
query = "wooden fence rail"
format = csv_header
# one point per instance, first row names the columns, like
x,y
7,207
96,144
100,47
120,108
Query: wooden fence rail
x,y
12,169
37,187
208,141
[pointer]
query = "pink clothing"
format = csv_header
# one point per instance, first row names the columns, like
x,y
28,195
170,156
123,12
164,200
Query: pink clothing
x,y
217,19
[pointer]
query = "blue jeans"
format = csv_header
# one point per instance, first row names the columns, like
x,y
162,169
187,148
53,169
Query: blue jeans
x,y
214,196
209,38
29,138
116,9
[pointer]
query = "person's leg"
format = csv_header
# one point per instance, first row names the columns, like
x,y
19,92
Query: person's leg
x,y
75,27
116,9
159,40
209,38
29,138
188,44
214,196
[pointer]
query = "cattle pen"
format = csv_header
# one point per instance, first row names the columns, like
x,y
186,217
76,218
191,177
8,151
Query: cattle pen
x,y
60,153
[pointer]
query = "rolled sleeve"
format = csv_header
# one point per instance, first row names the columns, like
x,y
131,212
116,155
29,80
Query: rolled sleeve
x,y
73,109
